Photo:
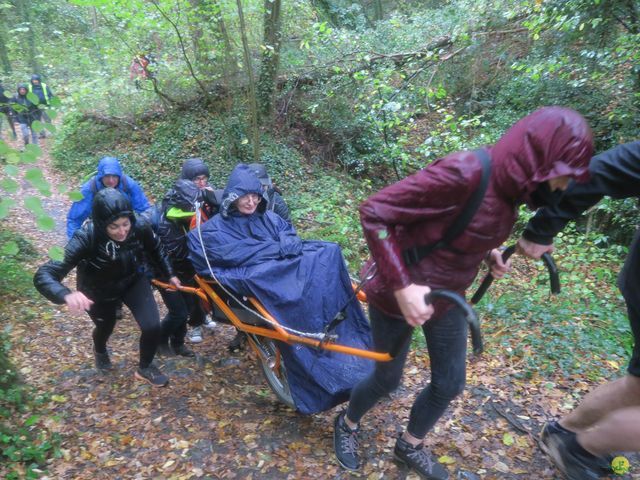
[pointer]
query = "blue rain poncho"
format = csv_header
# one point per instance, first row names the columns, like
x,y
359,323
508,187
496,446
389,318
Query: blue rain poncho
x,y
303,284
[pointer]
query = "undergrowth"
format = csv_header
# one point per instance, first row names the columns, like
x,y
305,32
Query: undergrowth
x,y
25,444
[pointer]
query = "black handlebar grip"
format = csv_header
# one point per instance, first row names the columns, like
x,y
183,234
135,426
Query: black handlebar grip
x,y
470,314
554,278
488,279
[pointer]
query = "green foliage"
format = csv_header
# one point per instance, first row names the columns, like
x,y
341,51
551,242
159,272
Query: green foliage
x,y
25,445
553,335
14,254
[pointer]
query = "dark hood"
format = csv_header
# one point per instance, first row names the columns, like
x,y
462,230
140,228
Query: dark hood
x,y
109,204
22,85
194,167
184,195
260,171
35,76
241,182
108,166
550,142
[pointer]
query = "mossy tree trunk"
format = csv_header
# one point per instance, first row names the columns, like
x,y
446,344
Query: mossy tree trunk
x,y
253,104
270,58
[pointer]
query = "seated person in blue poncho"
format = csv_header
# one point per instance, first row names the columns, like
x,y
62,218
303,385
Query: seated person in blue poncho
x,y
303,284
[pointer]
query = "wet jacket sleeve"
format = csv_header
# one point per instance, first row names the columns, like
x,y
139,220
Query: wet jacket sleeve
x,y
49,276
139,200
614,173
280,207
153,247
432,195
80,210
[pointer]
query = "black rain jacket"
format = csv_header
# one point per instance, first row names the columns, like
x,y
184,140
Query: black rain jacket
x,y
106,268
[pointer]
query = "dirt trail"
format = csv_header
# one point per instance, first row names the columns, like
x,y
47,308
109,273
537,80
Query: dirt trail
x,y
218,419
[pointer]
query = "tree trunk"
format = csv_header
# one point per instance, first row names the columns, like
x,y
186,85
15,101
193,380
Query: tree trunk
x,y
379,13
4,54
24,7
253,107
270,58
195,28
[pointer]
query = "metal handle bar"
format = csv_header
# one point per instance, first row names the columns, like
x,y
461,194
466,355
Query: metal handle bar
x,y
554,279
470,314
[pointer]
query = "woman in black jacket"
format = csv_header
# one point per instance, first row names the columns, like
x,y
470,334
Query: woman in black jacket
x,y
109,254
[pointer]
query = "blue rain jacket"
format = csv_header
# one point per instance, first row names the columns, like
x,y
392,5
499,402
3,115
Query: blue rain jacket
x,y
81,209
303,284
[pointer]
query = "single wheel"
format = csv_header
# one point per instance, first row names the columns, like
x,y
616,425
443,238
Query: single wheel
x,y
273,369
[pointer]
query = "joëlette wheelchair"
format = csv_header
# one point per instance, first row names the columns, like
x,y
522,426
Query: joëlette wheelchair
x,y
264,332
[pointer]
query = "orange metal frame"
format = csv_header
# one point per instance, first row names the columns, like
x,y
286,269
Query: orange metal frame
x,y
276,332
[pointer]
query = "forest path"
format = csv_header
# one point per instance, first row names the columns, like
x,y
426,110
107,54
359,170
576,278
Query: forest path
x,y
218,419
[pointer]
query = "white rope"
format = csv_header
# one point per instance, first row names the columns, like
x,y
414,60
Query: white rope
x,y
318,336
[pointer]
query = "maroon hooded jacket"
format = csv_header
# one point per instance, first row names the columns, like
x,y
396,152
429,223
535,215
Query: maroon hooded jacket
x,y
418,210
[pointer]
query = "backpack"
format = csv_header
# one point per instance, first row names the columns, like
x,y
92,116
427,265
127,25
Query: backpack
x,y
413,255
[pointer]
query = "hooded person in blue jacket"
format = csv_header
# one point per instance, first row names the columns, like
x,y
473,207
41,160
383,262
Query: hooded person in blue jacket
x,y
303,284
110,175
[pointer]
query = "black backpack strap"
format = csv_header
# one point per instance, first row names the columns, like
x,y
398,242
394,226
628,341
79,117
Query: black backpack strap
x,y
412,256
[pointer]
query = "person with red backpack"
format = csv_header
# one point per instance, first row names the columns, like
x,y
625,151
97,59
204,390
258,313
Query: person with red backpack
x,y
109,175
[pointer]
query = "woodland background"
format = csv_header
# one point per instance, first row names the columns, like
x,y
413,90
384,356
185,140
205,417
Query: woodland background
x,y
338,98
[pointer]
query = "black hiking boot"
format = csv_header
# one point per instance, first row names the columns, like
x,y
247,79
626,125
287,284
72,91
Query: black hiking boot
x,y
554,428
152,375
183,351
420,460
562,446
102,360
345,444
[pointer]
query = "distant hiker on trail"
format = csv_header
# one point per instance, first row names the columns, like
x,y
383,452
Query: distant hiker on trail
x,y
26,113
6,112
44,94
141,68
608,419
109,175
109,254
532,162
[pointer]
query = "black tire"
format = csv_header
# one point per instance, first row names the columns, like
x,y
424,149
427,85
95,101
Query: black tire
x,y
276,376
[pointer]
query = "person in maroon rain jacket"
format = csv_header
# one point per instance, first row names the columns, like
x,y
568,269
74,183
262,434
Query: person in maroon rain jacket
x,y
532,163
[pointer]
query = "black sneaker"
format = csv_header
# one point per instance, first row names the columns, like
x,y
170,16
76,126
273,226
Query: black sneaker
x,y
562,447
183,351
103,362
345,444
152,375
420,460
554,428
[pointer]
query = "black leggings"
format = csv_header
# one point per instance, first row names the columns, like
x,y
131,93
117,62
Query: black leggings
x,y
139,299
446,338
182,307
